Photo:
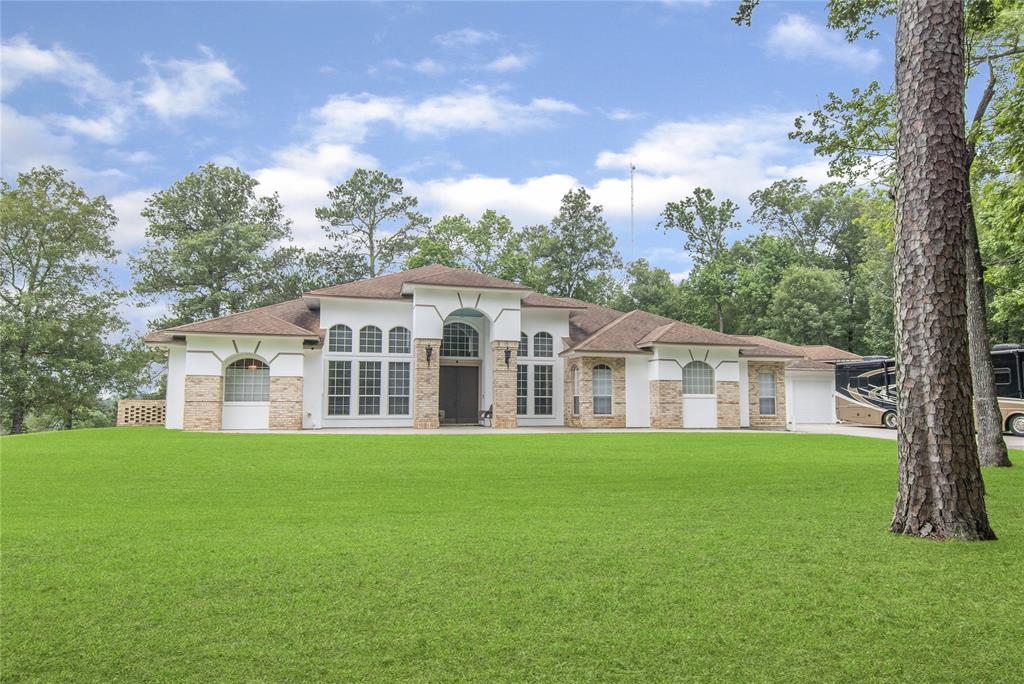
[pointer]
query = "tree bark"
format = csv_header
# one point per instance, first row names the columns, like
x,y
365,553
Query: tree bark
x,y
941,494
991,445
17,419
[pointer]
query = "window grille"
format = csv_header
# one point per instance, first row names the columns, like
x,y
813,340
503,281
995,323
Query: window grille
x,y
339,339
602,389
369,388
522,389
576,390
247,380
766,392
399,341
698,378
524,345
398,388
542,390
370,340
339,388
460,340
543,345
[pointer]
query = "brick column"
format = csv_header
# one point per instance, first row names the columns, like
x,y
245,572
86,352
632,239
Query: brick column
x,y
203,402
666,404
285,403
728,398
427,386
756,419
503,383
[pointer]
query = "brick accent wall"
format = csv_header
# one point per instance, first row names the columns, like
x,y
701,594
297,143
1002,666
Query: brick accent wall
x,y
426,390
141,412
503,378
285,403
666,404
728,397
756,419
587,419
203,402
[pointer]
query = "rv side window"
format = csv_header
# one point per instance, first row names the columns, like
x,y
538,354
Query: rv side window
x,y
1002,376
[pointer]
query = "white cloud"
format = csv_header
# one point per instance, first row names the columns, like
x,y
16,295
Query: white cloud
x,y
347,118
303,175
429,67
464,37
622,114
530,201
180,88
795,37
131,227
507,63
28,142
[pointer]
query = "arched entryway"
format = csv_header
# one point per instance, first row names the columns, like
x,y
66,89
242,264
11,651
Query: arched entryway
x,y
465,338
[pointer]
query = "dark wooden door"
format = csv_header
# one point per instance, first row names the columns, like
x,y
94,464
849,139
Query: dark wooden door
x,y
460,387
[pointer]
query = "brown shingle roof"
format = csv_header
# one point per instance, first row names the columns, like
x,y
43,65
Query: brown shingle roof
x,y
810,364
766,346
457,277
287,319
542,301
390,286
677,332
825,352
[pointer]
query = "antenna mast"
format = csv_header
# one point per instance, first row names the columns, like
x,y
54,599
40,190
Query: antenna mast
x,y
632,212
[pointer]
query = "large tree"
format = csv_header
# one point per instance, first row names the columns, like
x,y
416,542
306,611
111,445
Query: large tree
x,y
650,289
212,246
808,307
371,214
941,493
58,307
575,256
705,223
491,245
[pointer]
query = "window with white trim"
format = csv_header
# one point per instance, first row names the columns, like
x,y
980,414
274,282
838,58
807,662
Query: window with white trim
x,y
522,389
524,345
575,390
398,388
371,340
602,390
339,388
460,340
542,390
698,378
339,338
543,345
766,392
369,388
247,380
399,341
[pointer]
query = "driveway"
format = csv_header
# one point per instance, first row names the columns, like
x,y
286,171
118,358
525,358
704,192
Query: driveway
x,y
878,432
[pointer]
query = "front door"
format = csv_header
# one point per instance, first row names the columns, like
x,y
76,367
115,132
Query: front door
x,y
460,390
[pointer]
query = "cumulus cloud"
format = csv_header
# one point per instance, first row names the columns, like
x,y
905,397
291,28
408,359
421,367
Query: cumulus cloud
x,y
507,63
131,227
532,200
464,37
349,117
796,37
181,88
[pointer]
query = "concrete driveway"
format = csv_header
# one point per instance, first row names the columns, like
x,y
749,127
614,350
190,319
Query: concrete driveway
x,y
1012,442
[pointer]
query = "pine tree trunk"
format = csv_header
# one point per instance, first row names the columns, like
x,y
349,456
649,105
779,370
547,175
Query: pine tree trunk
x,y
991,445
941,493
17,419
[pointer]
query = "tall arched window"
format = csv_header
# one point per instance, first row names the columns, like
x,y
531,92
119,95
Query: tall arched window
x,y
371,340
698,378
602,390
339,339
247,380
460,340
543,345
399,341
524,345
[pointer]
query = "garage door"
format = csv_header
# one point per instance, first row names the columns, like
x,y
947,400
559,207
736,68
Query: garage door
x,y
812,397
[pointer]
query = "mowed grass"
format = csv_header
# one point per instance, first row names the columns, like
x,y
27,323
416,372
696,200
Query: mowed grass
x,y
149,555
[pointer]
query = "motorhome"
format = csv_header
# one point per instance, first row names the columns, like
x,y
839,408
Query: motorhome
x,y
866,390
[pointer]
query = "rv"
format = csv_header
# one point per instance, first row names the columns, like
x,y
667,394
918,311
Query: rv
x,y
866,390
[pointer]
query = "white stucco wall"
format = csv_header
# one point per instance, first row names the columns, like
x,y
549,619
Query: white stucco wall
x,y
638,391
556,323
433,305
175,387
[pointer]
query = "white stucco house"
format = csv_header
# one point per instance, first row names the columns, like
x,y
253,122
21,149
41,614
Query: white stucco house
x,y
437,345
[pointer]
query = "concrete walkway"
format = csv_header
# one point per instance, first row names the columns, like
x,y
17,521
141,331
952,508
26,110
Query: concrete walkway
x,y
1012,441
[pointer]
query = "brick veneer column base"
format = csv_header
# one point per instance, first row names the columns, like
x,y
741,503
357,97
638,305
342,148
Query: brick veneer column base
x,y
666,404
756,419
503,383
728,393
203,402
427,386
587,418
285,403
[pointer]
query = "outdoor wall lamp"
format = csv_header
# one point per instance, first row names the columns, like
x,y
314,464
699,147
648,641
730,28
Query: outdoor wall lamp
x,y
430,352
508,355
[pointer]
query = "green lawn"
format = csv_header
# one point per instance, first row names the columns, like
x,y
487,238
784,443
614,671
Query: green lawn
x,y
143,554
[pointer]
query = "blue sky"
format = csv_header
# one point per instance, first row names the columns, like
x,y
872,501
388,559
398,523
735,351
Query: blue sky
x,y
475,105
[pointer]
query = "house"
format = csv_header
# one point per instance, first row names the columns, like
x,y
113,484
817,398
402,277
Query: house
x,y
438,345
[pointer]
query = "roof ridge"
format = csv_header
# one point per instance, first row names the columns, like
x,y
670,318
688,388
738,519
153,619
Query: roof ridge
x,y
604,328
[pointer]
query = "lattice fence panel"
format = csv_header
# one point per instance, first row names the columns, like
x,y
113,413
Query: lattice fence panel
x,y
141,412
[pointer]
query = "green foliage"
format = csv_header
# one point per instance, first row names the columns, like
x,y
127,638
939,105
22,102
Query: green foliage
x,y
142,554
212,247
649,289
808,307
58,306
574,257
371,215
491,246
760,261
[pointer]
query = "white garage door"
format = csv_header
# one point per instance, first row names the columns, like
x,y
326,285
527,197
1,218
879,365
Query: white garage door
x,y
812,396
